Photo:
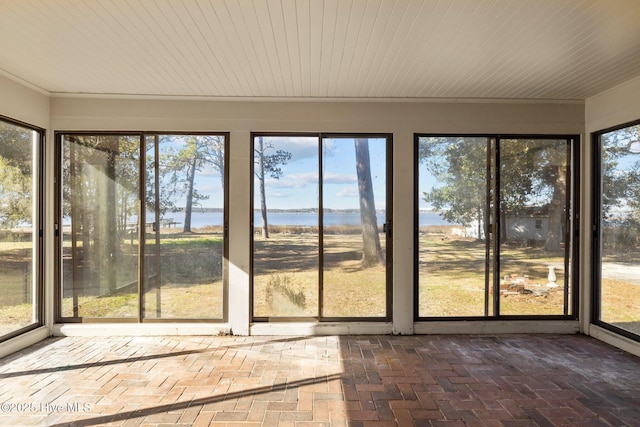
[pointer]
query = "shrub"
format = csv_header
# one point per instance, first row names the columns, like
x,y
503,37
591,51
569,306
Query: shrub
x,y
284,285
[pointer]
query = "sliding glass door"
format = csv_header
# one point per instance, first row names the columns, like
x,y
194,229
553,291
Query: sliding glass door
x,y
535,242
142,226
286,237
453,234
322,223
101,217
20,228
493,226
184,227
354,217
617,238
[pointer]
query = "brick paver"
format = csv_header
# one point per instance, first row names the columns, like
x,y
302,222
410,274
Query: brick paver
x,y
349,381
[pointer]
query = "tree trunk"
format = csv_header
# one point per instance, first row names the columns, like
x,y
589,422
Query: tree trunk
x,y
372,252
106,220
80,211
557,212
480,220
191,176
263,201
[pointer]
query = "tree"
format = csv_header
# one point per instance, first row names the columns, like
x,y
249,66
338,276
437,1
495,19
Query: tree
x,y
100,194
372,252
619,181
159,195
15,195
557,209
539,169
16,158
620,196
553,170
531,172
106,239
183,165
213,153
267,164
459,165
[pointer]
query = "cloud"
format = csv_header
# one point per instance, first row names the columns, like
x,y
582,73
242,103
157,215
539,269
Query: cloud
x,y
294,180
277,195
208,170
347,192
301,180
339,178
209,188
300,147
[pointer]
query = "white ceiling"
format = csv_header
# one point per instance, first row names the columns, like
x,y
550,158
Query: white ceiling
x,y
540,49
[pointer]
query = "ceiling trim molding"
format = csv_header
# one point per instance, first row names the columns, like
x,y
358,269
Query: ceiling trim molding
x,y
316,99
25,83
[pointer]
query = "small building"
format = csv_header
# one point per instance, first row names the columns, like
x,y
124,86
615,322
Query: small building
x,y
529,223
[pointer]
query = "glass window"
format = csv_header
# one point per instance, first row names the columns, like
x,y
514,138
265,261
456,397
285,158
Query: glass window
x,y
100,226
320,245
20,207
534,261
184,226
617,247
453,219
286,240
178,231
464,269
354,214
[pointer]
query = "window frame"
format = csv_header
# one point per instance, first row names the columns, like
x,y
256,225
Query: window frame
x,y
140,318
320,136
38,252
596,227
492,260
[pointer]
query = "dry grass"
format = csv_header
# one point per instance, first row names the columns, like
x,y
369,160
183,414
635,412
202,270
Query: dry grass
x,y
620,301
451,280
16,310
341,230
349,289
198,301
14,317
201,301
187,286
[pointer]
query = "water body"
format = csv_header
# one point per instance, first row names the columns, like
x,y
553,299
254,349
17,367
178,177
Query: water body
x,y
202,219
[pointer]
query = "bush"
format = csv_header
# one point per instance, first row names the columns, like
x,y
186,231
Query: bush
x,y
284,285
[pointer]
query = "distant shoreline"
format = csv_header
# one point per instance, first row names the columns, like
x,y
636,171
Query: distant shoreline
x,y
298,210
202,217
300,217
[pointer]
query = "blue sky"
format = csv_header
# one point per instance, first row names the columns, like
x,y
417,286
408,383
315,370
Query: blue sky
x,y
298,186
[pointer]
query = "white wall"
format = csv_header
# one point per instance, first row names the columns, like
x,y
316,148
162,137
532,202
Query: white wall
x,y
29,106
611,108
242,117
21,103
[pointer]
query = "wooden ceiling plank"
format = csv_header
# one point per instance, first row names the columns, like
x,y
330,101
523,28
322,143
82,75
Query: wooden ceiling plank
x,y
232,16
304,42
275,27
323,48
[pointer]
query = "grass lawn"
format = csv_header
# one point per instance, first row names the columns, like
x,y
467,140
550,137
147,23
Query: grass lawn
x,y
452,278
620,302
286,281
286,278
16,310
184,281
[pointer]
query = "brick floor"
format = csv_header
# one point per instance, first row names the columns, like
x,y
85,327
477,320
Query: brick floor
x,y
359,381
